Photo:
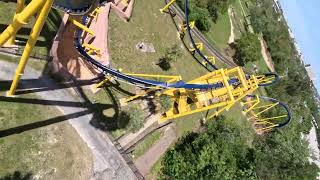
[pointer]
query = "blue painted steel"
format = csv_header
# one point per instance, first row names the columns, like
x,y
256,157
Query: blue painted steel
x,y
75,7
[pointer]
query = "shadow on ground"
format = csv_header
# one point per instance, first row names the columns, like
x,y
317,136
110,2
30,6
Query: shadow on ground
x,y
99,120
17,175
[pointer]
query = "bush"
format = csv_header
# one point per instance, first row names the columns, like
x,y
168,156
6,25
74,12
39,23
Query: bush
x,y
171,55
136,118
248,49
165,102
201,18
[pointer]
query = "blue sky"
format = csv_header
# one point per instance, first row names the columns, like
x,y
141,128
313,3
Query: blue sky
x,y
304,20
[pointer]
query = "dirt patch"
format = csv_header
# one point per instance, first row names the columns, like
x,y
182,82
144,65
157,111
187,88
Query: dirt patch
x,y
145,162
266,54
231,37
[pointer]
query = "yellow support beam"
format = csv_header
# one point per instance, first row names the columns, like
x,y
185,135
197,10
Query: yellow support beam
x,y
199,46
90,46
21,19
253,106
94,14
125,2
226,84
212,59
20,6
257,114
32,39
166,7
272,118
81,26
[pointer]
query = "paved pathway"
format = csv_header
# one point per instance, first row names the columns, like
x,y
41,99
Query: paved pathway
x,y
108,162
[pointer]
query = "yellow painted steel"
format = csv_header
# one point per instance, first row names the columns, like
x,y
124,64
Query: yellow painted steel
x,y
212,59
125,2
199,46
261,123
90,46
256,102
183,27
81,26
107,79
32,38
92,50
95,13
272,118
268,108
21,19
20,6
167,6
194,101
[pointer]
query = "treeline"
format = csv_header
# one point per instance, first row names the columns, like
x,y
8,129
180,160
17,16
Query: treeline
x,y
225,150
205,12
295,86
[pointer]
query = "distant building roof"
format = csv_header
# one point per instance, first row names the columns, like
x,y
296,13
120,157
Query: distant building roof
x,y
311,73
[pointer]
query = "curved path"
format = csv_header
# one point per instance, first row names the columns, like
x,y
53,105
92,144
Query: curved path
x,y
108,162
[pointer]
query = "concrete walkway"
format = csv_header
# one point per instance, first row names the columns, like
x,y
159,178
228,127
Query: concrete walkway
x,y
108,162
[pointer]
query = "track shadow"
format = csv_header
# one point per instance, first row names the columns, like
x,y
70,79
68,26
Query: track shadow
x,y
99,119
17,175
38,86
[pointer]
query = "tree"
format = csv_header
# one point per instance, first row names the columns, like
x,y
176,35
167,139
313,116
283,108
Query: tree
x,y
201,18
219,153
248,49
216,7
171,55
283,155
165,102
224,151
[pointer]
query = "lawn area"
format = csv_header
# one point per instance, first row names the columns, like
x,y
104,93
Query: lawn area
x,y
238,19
148,25
50,152
220,32
48,32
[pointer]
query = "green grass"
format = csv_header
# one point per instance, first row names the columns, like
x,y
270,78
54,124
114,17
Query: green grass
x,y
45,151
147,143
238,20
148,25
220,32
260,64
43,46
